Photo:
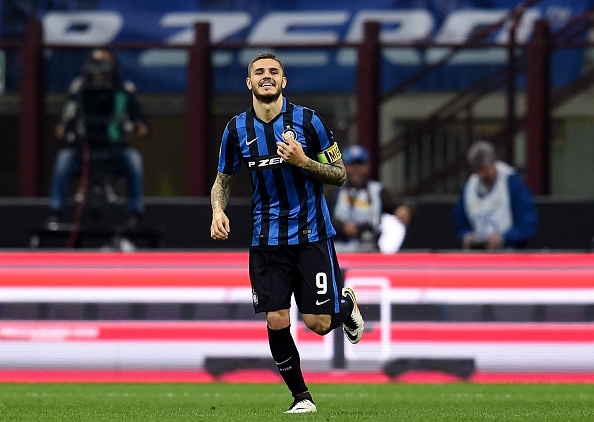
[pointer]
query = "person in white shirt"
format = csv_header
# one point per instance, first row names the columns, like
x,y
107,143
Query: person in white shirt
x,y
495,210
393,229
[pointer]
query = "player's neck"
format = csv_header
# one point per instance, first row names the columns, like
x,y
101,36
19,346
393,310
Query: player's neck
x,y
268,111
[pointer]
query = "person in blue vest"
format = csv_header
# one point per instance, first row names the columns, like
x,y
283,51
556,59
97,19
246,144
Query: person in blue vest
x,y
290,154
496,209
98,117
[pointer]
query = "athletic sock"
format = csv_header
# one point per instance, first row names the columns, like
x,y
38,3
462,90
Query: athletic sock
x,y
346,307
285,355
304,396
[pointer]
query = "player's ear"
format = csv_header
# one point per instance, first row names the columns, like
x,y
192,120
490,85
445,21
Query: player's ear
x,y
284,82
248,82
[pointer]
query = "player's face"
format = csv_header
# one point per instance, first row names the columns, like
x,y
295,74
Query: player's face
x,y
486,173
266,80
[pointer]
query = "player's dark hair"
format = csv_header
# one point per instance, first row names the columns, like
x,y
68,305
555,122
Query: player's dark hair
x,y
263,56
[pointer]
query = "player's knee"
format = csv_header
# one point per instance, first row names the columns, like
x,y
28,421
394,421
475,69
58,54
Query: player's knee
x,y
278,320
318,324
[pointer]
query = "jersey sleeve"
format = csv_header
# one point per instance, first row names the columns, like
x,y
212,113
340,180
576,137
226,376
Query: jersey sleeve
x,y
321,137
229,158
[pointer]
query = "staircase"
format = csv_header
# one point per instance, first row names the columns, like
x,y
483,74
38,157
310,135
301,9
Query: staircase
x,y
428,155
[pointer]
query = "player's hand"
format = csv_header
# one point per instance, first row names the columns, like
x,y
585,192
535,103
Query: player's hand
x,y
219,228
291,151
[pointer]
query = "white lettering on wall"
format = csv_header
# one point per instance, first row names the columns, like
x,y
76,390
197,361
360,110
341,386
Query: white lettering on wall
x,y
288,27
222,25
305,27
398,26
78,28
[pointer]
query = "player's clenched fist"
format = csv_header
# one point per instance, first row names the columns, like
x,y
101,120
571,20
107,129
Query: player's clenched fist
x,y
219,228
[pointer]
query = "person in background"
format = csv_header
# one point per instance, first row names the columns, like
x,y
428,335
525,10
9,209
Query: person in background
x,y
290,154
362,206
495,210
393,229
101,111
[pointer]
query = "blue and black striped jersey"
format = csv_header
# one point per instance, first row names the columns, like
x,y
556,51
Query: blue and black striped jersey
x,y
288,205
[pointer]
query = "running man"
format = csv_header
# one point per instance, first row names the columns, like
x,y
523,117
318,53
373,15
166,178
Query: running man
x,y
290,153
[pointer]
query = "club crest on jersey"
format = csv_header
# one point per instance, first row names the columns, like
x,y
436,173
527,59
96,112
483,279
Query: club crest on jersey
x,y
267,162
290,132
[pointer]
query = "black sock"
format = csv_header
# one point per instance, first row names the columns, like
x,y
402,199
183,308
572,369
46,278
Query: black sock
x,y
305,396
346,307
285,355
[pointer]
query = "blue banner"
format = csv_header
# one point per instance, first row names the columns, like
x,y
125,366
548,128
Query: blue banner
x,y
292,22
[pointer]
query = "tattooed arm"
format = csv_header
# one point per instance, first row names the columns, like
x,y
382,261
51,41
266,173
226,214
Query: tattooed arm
x,y
219,198
332,174
292,152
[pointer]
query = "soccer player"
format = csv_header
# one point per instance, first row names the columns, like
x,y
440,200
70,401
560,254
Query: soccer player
x,y
290,153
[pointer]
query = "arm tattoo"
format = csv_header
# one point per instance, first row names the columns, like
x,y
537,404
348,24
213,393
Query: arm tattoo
x,y
221,191
332,174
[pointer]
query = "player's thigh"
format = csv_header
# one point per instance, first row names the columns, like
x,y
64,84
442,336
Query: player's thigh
x,y
271,277
320,287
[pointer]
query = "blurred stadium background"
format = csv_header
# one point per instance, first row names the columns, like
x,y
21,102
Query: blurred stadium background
x,y
414,81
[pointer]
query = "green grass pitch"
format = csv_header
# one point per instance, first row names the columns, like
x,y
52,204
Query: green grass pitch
x,y
266,402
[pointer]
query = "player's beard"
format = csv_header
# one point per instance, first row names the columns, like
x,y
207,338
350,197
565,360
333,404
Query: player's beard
x,y
267,98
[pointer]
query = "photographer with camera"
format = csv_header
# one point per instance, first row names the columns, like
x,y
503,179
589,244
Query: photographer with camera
x,y
496,210
363,209
100,114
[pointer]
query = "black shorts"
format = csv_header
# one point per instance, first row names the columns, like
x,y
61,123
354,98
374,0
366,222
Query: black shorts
x,y
310,271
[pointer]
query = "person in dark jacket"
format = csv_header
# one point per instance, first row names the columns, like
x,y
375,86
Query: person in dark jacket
x,y
98,117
